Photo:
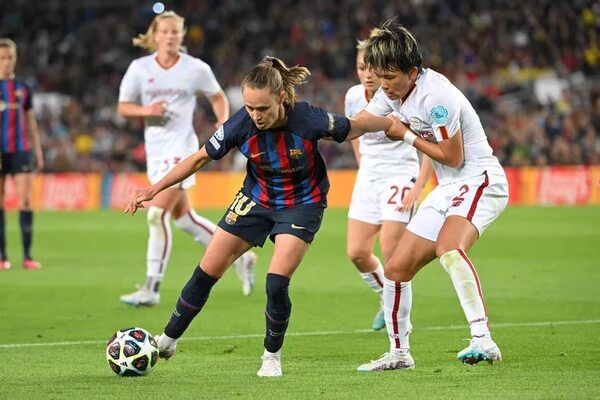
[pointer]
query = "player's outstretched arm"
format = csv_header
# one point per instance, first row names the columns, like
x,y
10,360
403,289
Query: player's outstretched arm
x,y
128,110
448,152
365,122
184,169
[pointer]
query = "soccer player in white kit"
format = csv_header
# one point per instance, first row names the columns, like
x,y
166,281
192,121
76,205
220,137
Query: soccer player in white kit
x,y
472,190
388,185
162,88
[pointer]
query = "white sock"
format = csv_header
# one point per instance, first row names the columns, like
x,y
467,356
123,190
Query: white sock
x,y
277,354
467,286
397,303
159,245
166,341
375,278
199,227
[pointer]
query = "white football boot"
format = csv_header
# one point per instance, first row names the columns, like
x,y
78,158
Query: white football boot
x,y
166,346
390,361
141,297
271,365
245,271
480,349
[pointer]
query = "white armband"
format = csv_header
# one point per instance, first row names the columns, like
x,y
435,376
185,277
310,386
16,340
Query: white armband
x,y
409,138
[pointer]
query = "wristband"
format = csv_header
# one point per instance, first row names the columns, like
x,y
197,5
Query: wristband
x,y
409,138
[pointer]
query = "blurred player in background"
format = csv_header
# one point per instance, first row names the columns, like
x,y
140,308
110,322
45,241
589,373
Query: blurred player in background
x,y
21,150
388,185
162,88
472,190
283,196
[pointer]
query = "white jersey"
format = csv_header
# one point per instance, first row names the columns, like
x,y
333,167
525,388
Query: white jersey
x,y
380,156
146,82
436,110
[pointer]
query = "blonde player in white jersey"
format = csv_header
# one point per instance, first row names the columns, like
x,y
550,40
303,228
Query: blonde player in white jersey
x,y
162,87
472,190
388,185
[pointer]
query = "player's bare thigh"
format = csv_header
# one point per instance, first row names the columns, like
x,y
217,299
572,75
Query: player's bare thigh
x,y
223,249
173,200
360,241
287,255
412,253
23,183
457,233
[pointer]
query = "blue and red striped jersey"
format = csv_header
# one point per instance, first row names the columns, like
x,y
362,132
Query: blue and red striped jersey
x,y
15,101
284,165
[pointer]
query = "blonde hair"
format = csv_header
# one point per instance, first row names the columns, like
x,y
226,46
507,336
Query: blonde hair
x,y
272,73
391,47
8,43
146,40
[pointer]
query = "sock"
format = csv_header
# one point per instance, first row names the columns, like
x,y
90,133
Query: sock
x,y
3,255
397,303
375,278
277,314
199,227
26,222
193,297
159,246
467,286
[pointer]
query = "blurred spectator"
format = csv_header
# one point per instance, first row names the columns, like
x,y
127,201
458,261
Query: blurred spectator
x,y
531,68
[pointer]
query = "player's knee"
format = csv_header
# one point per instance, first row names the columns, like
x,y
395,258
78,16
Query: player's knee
x,y
154,217
358,255
400,269
278,301
441,249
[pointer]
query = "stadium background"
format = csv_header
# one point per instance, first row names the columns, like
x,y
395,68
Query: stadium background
x,y
531,69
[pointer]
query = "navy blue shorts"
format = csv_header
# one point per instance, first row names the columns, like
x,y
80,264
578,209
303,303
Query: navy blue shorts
x,y
17,163
253,223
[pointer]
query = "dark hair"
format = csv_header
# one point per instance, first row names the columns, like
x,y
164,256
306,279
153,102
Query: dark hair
x,y
391,47
272,73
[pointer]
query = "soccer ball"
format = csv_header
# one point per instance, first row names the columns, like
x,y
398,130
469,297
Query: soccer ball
x,y
132,352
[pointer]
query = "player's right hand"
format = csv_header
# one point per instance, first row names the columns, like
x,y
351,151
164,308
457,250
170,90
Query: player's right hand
x,y
137,199
157,109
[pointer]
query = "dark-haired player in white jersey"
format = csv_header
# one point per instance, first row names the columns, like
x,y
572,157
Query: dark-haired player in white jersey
x,y
432,115
162,87
388,185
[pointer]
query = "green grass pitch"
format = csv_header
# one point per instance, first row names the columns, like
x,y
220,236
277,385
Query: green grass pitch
x,y
540,270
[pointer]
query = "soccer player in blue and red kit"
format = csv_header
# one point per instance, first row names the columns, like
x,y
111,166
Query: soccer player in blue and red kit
x,y
283,196
20,148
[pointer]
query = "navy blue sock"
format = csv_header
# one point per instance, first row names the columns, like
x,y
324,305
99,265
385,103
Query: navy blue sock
x,y
279,309
26,222
193,297
3,255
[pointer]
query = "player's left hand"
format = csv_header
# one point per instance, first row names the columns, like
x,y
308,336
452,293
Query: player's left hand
x,y
411,197
397,130
137,199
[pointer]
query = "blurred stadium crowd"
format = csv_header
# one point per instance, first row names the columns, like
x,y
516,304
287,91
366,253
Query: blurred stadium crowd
x,y
531,68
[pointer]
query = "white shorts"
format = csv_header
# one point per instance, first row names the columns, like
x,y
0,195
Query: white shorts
x,y
157,168
480,199
377,200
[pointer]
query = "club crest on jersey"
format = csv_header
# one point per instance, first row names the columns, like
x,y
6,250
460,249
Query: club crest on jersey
x,y
439,114
295,153
18,93
231,218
